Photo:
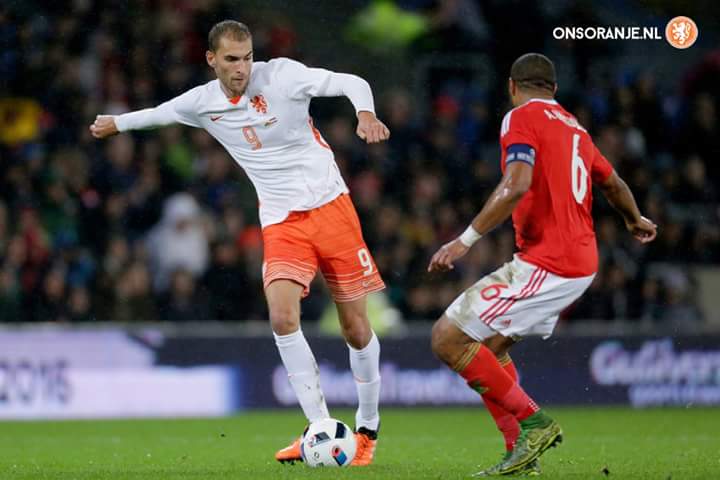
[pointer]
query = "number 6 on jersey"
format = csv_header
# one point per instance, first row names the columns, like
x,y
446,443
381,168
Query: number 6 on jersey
x,y
579,178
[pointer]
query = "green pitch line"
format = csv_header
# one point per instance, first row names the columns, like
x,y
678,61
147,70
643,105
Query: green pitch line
x,y
414,443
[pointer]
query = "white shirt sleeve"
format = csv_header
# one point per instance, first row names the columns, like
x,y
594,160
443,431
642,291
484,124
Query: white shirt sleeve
x,y
301,82
181,109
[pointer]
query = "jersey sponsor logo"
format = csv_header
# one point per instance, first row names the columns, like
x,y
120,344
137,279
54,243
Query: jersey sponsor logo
x,y
215,118
259,104
681,32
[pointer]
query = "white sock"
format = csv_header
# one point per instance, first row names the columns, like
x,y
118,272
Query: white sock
x,y
365,366
303,374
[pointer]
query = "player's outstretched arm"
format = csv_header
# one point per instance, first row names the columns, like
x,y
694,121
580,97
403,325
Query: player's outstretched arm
x,y
514,184
180,109
621,198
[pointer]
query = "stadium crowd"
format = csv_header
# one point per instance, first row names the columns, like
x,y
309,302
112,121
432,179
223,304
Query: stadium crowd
x,y
162,225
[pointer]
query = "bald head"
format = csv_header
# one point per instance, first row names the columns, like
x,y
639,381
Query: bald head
x,y
534,71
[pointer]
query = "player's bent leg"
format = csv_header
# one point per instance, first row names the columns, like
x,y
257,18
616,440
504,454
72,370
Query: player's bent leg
x,y
448,342
283,297
364,352
499,344
283,300
505,421
354,322
510,427
483,373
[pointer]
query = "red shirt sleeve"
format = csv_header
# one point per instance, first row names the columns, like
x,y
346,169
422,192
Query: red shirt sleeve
x,y
601,167
517,129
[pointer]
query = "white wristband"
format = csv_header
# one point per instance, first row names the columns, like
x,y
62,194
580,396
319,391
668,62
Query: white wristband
x,y
469,236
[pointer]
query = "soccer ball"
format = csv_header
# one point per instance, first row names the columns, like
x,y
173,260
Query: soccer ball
x,y
328,443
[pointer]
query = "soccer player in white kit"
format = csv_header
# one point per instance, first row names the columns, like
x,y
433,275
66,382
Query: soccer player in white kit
x,y
259,113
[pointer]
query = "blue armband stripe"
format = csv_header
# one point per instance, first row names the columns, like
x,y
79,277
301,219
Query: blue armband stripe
x,y
520,152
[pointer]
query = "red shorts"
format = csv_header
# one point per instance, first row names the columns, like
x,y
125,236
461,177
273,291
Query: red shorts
x,y
328,237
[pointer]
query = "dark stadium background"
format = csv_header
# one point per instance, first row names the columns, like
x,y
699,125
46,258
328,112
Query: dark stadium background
x,y
80,219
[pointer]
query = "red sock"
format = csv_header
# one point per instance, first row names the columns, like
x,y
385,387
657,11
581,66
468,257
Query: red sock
x,y
483,373
505,421
509,366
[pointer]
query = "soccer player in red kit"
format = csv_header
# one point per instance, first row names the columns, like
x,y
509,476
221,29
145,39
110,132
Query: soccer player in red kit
x,y
549,164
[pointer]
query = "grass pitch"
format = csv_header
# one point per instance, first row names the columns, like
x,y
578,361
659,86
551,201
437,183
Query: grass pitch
x,y
414,443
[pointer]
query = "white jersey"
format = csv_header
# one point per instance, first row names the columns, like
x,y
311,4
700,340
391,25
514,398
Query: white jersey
x,y
268,131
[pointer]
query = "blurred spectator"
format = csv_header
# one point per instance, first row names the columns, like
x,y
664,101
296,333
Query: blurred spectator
x,y
183,302
216,187
699,135
180,240
133,298
79,307
227,283
10,297
51,305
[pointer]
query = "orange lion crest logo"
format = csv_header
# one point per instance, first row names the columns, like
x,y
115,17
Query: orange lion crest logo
x,y
681,32
259,103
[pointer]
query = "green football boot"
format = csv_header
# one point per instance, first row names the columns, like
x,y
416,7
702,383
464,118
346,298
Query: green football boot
x,y
532,469
537,433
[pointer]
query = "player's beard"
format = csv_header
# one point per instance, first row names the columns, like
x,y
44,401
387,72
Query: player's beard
x,y
238,86
234,88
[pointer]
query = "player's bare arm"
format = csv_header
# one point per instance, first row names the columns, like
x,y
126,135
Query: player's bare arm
x,y
370,128
103,126
621,198
514,184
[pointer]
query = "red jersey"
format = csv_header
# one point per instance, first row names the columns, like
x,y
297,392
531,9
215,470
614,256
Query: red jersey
x,y
553,221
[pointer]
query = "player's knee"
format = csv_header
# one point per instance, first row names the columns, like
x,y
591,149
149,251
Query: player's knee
x,y
499,345
357,333
284,320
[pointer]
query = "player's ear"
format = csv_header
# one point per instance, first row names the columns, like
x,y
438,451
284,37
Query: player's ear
x,y
554,89
210,57
511,87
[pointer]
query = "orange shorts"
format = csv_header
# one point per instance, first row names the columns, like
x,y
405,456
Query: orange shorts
x,y
328,237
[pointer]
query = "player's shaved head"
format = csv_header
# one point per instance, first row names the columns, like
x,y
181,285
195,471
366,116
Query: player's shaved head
x,y
227,28
534,71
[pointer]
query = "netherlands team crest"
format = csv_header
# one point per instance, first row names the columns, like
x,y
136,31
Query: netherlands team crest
x,y
259,104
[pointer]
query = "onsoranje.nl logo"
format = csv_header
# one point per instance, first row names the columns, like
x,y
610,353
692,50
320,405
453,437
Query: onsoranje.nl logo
x,y
680,32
